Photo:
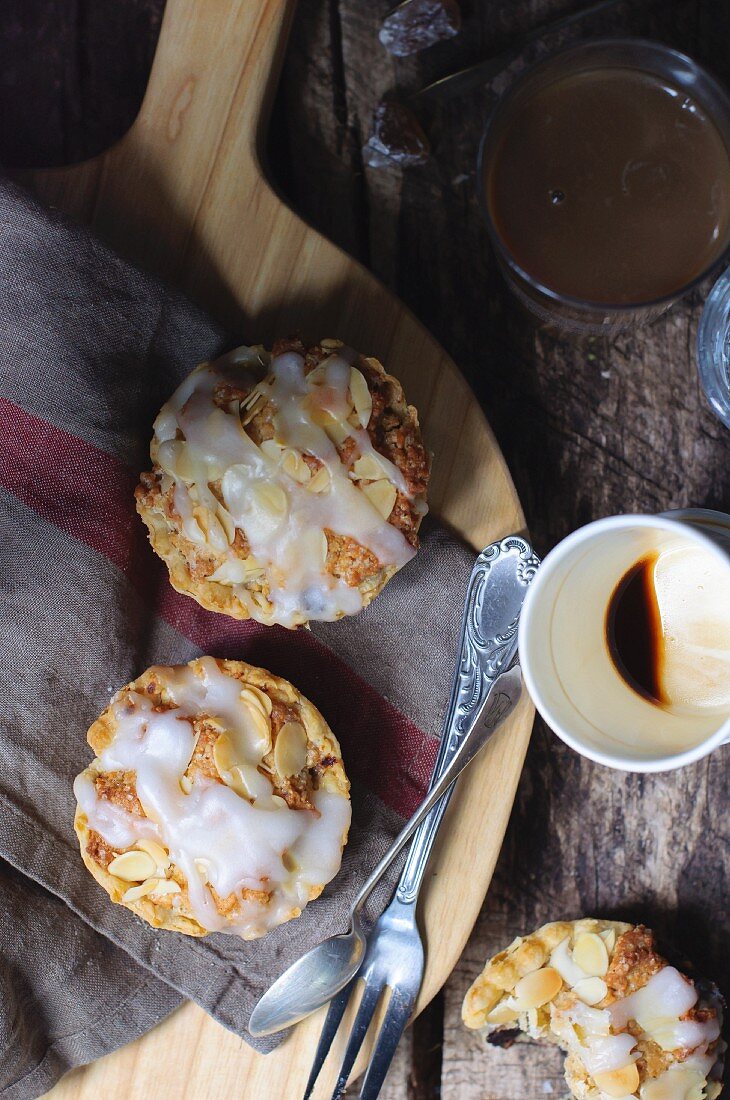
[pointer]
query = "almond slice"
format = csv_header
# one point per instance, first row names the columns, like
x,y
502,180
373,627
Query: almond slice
x,y
261,725
367,468
320,481
331,344
186,784
168,454
618,1082
296,467
258,599
381,495
212,528
279,802
166,886
290,749
141,891
156,852
362,399
252,408
225,756
609,938
537,988
270,498
590,990
590,954
271,449
133,866
232,571
505,1013
248,782
258,698
227,522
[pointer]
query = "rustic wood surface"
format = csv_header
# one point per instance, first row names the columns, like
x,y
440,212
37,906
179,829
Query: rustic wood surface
x,y
589,427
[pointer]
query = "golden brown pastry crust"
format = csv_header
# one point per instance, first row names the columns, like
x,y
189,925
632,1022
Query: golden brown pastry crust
x,y
630,962
394,432
324,770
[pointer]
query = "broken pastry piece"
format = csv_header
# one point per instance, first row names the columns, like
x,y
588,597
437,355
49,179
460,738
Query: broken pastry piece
x,y
632,1026
285,487
217,801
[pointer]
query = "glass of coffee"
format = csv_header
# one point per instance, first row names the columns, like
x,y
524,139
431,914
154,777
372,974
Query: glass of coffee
x,y
625,639
604,175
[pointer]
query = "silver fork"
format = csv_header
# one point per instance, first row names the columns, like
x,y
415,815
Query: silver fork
x,y
486,688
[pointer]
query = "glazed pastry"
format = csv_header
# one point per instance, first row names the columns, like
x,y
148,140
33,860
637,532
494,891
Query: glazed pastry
x,y
631,1024
217,800
293,498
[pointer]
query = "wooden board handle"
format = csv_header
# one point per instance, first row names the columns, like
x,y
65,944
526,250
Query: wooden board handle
x,y
208,53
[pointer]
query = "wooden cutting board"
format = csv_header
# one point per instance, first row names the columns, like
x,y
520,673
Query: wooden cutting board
x,y
184,194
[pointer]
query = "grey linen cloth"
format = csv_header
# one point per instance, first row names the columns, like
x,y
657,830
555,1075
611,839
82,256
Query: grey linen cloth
x,y
90,347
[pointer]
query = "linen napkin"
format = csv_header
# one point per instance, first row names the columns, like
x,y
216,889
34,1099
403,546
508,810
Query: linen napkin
x,y
90,348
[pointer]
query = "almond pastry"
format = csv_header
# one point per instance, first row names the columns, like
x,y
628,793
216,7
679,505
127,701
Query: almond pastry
x,y
632,1025
289,497
217,800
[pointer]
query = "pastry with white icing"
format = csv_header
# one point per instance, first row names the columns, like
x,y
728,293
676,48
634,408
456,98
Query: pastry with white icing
x,y
286,487
217,801
632,1026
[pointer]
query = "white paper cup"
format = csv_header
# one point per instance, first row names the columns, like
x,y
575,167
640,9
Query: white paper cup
x,y
564,653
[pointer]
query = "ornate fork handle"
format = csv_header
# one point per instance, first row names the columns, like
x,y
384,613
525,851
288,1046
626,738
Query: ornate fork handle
x,y
488,645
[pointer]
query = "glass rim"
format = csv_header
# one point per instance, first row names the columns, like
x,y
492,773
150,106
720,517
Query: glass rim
x,y
499,109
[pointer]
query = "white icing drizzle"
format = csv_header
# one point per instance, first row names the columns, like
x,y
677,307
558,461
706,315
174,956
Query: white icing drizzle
x,y
598,1037
282,519
264,846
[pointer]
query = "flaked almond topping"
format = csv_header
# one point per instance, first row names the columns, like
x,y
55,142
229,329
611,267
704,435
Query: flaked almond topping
x,y
504,1013
590,990
296,467
186,784
166,886
211,526
271,498
367,468
337,430
279,802
157,853
262,726
271,449
618,1082
141,891
236,571
361,397
331,344
538,988
132,866
609,938
227,522
381,495
252,409
320,482
248,782
290,863
290,750
260,602
258,698
224,756
686,1084
590,954
168,454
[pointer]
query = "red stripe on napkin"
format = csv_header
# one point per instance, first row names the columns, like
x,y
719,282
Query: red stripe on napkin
x,y
89,495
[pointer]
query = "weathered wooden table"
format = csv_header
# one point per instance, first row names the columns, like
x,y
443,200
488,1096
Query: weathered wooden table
x,y
589,427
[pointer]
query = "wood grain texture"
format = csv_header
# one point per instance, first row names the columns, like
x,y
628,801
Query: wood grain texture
x,y
589,428
183,194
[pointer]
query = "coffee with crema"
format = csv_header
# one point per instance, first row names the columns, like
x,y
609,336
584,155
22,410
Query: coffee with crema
x,y
668,629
